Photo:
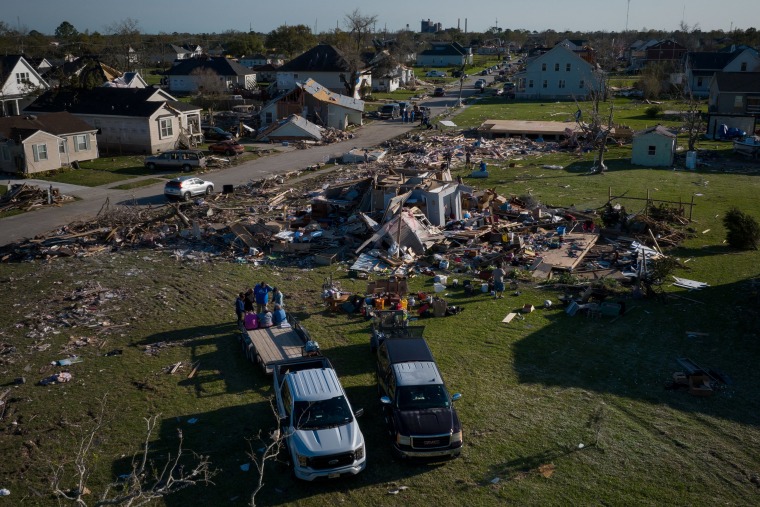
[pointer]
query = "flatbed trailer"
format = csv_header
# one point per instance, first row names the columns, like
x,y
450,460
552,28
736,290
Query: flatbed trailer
x,y
271,345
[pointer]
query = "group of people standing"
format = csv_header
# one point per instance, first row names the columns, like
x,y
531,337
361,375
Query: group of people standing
x,y
259,296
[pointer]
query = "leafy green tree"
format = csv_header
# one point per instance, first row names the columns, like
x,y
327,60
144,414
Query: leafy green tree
x,y
241,43
742,230
291,40
66,31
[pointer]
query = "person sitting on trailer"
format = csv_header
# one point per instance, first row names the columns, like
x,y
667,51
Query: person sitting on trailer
x,y
278,316
265,318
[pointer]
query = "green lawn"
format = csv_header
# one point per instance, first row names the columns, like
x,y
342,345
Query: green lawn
x,y
561,410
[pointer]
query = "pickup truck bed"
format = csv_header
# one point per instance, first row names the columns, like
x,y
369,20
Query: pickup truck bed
x,y
267,346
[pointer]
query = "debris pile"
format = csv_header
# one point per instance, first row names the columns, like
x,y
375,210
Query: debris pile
x,y
25,197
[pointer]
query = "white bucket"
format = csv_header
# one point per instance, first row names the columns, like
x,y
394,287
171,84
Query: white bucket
x,y
484,288
439,287
441,279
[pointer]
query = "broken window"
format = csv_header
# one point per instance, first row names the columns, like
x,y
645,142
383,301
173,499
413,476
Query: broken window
x,y
561,83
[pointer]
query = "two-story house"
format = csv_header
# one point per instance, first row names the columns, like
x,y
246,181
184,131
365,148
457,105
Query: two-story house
x,y
559,74
128,120
734,101
699,67
329,67
20,83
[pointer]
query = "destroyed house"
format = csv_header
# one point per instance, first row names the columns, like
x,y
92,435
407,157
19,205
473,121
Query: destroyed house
x,y
317,104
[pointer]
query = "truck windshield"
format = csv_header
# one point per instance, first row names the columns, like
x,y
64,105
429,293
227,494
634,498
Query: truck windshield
x,y
314,415
422,397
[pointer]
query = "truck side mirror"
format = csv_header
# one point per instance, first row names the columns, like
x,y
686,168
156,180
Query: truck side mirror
x,y
359,413
456,396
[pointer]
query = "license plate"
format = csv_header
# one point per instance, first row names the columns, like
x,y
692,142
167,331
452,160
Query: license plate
x,y
333,476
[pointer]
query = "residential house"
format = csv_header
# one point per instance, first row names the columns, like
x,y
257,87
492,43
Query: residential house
x,y
387,76
636,53
699,67
210,74
84,72
42,65
559,74
328,66
266,73
252,61
734,101
653,147
581,48
129,120
186,51
667,53
20,82
445,54
315,103
37,143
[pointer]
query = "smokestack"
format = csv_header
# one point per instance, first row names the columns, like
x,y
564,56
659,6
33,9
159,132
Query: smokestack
x,y
465,25
457,23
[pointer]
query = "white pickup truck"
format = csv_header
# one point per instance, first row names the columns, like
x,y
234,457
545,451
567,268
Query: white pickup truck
x,y
317,422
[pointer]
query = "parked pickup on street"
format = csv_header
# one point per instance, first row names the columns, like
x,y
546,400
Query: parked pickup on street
x,y
418,410
322,437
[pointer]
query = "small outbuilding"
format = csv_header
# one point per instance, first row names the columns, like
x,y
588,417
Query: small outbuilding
x,y
654,147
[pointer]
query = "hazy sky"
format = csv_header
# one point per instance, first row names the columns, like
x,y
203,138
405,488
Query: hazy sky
x,y
208,16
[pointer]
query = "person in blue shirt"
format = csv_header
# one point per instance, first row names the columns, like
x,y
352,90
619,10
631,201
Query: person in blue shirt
x,y
261,293
278,316
265,319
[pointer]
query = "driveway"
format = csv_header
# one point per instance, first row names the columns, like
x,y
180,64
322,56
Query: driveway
x,y
92,199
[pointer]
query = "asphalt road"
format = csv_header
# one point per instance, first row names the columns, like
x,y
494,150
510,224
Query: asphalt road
x,y
92,199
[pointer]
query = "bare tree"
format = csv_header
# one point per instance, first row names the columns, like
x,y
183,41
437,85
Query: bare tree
x,y
268,451
127,41
693,120
360,27
147,480
596,131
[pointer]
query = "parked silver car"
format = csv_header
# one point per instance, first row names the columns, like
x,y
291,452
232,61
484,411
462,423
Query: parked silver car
x,y
186,187
186,160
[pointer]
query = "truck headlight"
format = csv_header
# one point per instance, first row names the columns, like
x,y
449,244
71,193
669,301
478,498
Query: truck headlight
x,y
359,453
302,460
456,437
403,439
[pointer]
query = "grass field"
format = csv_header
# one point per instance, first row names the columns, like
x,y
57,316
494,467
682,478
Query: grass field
x,y
562,410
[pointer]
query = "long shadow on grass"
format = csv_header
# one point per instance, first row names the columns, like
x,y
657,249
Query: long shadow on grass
x,y
226,436
634,355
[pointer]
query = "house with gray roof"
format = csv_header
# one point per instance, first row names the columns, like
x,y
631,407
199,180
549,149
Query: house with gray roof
x,y
445,54
128,120
328,66
216,74
37,143
734,101
699,67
